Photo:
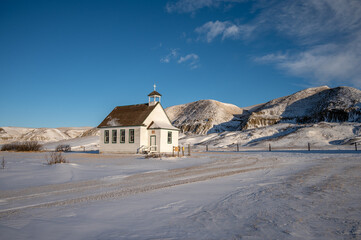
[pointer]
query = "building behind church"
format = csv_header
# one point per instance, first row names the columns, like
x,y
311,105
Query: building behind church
x,y
138,128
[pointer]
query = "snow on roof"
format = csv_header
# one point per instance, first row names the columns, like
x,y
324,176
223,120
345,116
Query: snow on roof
x,y
161,125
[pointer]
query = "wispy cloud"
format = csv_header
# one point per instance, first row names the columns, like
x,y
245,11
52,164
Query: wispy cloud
x,y
190,6
192,59
211,30
309,21
328,31
323,64
171,55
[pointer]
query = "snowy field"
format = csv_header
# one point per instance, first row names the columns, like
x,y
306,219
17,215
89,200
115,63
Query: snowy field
x,y
213,195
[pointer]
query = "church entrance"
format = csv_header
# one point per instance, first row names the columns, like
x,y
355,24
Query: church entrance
x,y
153,143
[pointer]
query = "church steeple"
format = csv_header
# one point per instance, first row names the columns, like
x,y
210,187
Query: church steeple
x,y
154,97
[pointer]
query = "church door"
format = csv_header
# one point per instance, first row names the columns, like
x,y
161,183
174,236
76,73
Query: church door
x,y
153,143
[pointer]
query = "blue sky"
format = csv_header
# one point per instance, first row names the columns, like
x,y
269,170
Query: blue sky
x,y
69,63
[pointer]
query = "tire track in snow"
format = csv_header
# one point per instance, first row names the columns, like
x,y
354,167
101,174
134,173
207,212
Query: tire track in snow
x,y
55,189
137,183
126,192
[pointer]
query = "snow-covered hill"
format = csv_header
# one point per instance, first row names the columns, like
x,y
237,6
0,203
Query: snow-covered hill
x,y
321,116
91,132
204,116
312,105
43,135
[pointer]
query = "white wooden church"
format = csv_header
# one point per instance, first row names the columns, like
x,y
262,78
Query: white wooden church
x,y
138,128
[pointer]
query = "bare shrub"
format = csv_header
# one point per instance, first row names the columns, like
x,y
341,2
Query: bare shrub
x,y
63,148
55,158
22,146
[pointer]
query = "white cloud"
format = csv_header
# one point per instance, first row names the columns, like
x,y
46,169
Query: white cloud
x,y
269,58
192,59
327,31
172,55
328,63
309,21
191,56
211,30
165,59
187,6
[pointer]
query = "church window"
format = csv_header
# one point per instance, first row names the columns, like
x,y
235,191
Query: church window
x,y
131,135
169,137
114,136
122,135
106,136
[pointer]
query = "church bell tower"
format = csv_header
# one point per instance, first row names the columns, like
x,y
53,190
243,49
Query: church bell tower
x,y
154,97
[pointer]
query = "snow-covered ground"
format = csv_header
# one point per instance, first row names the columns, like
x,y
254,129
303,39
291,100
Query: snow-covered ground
x,y
89,143
213,195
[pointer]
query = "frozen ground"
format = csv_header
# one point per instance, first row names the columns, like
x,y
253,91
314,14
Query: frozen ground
x,y
215,195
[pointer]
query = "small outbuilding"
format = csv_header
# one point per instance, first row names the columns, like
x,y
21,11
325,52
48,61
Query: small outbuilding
x,y
138,128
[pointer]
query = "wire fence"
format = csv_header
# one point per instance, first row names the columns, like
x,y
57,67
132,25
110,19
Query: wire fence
x,y
307,147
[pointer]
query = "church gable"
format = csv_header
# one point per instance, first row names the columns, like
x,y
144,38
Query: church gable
x,y
157,115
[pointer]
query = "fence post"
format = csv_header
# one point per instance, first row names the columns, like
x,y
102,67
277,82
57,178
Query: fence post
x,y
189,149
207,148
269,147
309,147
237,147
355,146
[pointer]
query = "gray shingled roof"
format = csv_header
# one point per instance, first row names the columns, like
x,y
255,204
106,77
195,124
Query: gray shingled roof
x,y
132,115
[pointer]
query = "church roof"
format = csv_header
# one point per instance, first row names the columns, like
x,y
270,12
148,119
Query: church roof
x,y
154,93
131,115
